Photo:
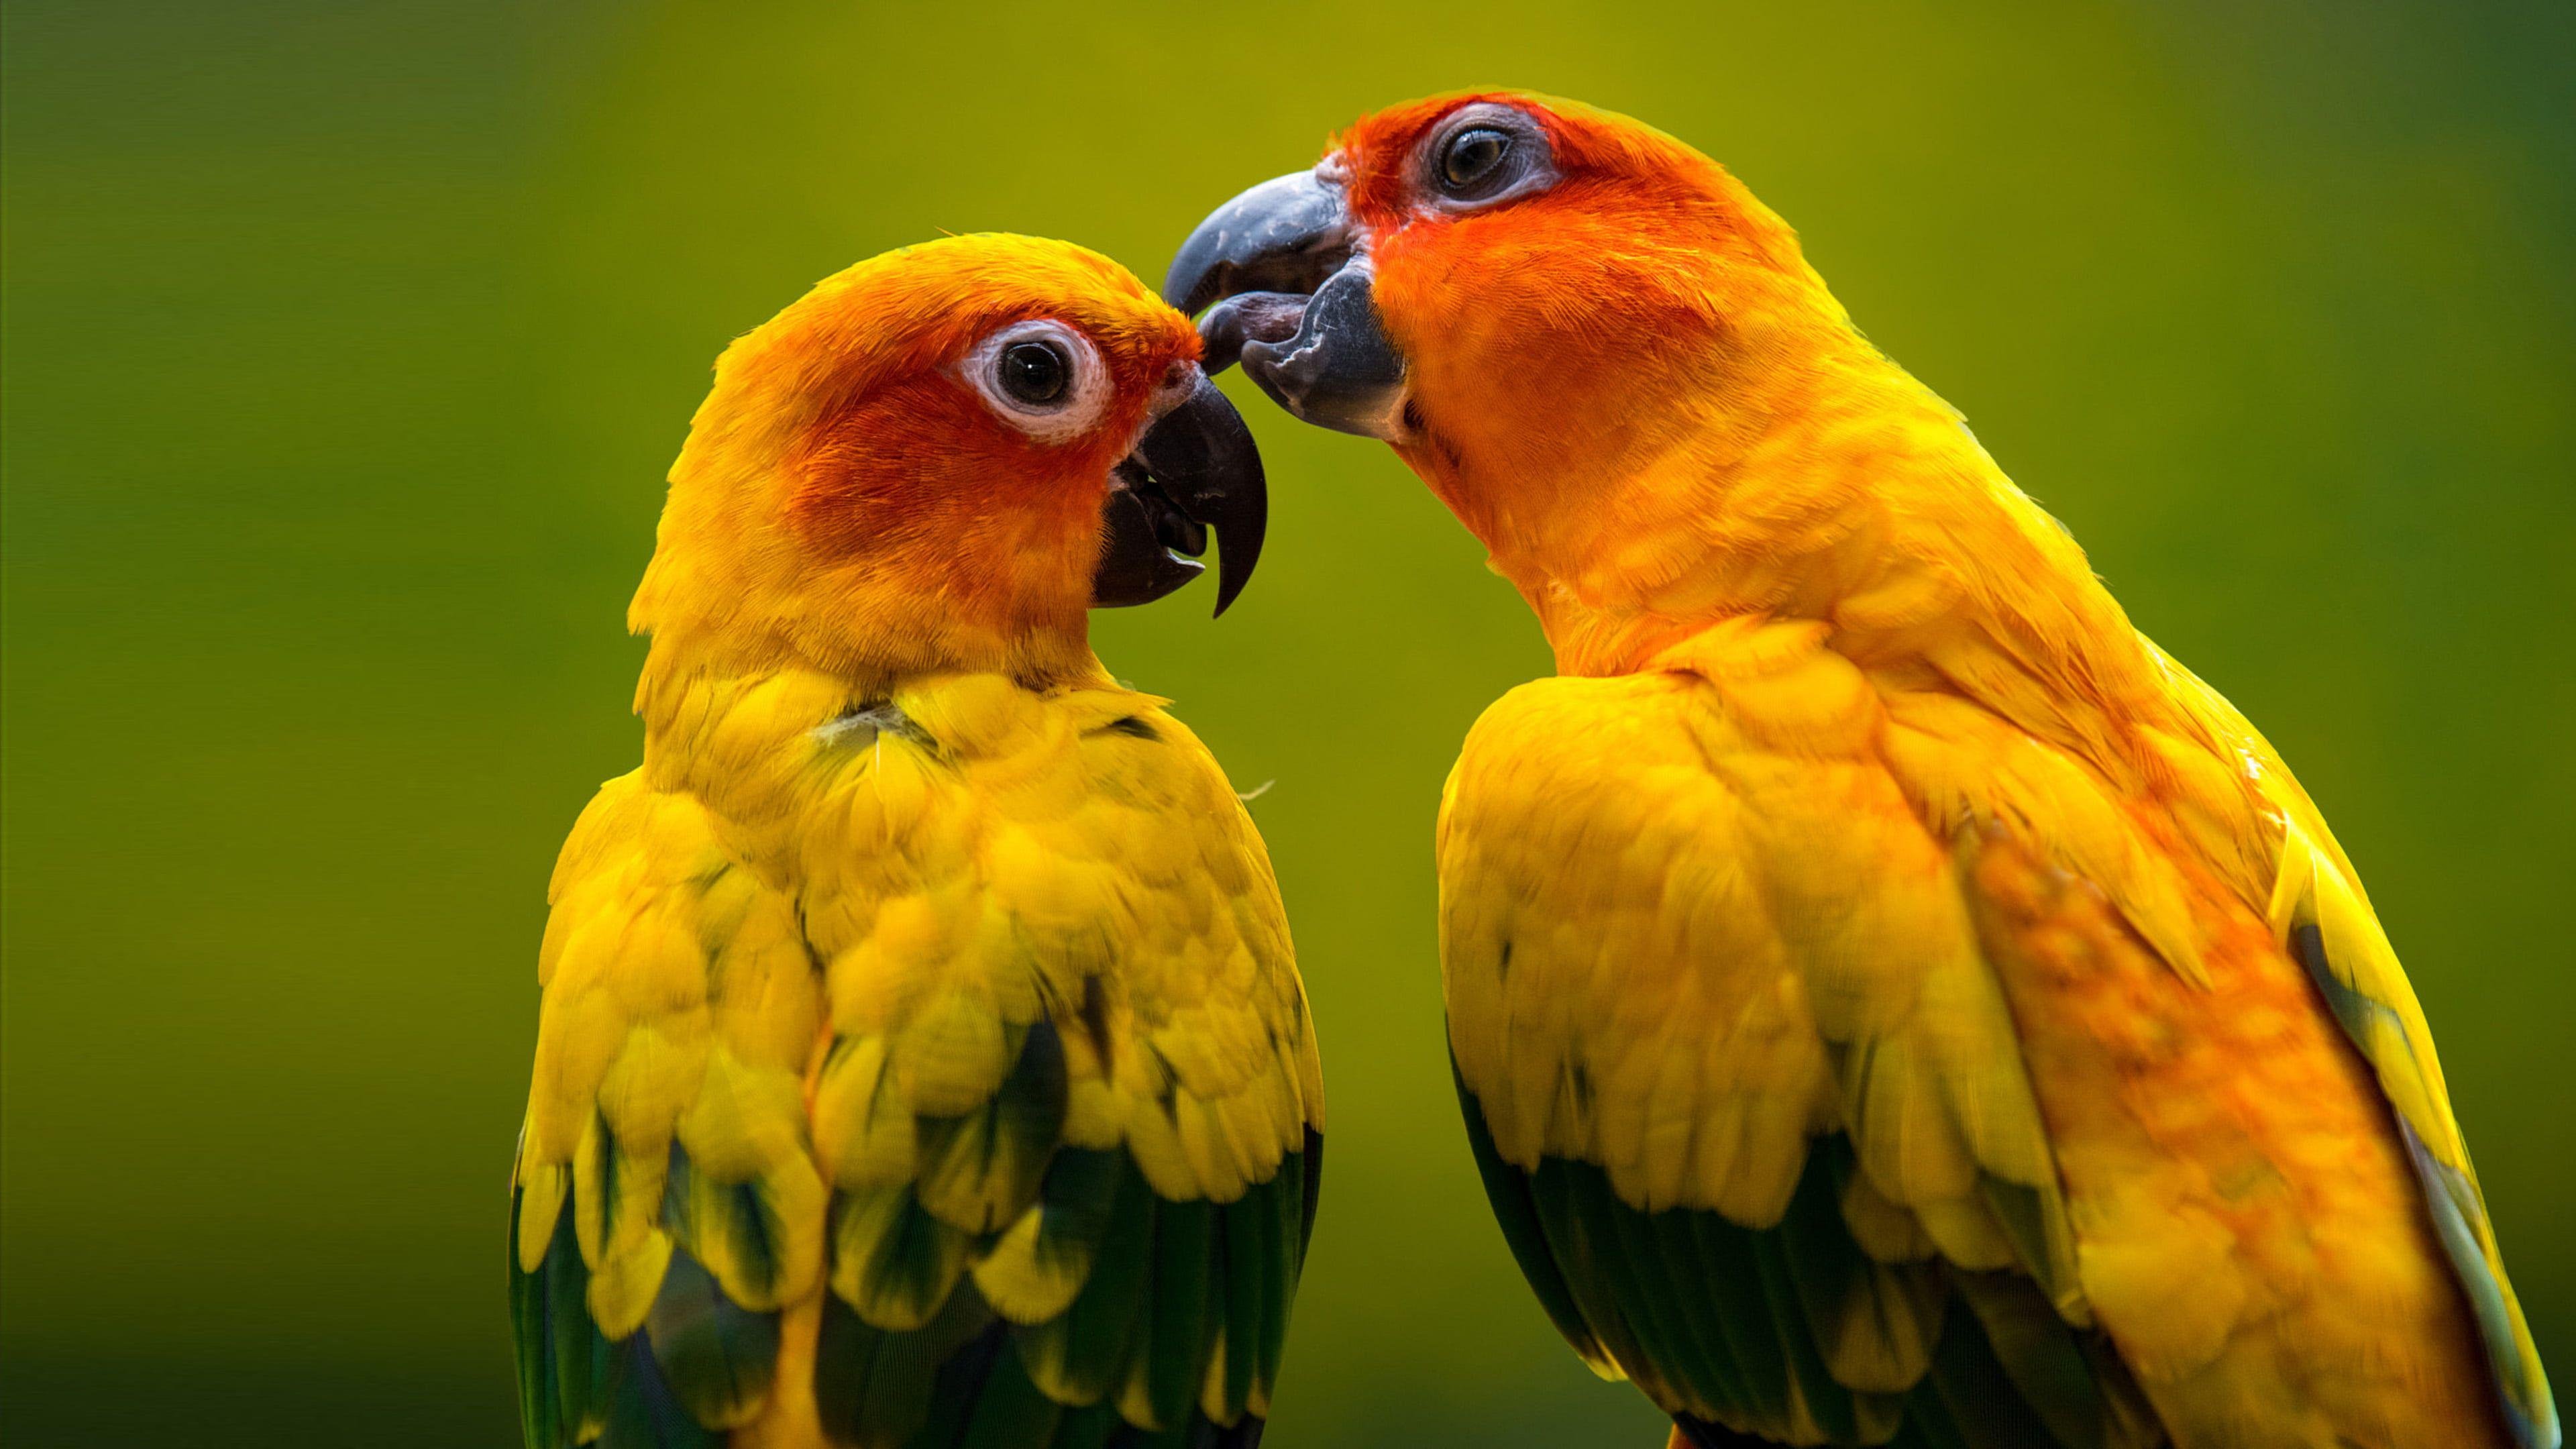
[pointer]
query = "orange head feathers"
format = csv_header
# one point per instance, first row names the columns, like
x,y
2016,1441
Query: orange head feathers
x,y
1547,273
1583,231
1606,356
941,458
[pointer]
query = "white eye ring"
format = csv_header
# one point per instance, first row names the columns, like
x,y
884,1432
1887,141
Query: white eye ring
x,y
1068,415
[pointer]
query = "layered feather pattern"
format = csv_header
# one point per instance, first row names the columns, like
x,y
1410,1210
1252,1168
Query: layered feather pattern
x,y
926,1070
1849,1067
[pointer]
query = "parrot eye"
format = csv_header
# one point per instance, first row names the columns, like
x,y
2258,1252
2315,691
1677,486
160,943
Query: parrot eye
x,y
1033,372
1483,154
1471,157
1043,377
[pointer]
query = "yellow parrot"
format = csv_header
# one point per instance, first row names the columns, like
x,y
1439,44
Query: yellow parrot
x,y
1892,1001
921,1058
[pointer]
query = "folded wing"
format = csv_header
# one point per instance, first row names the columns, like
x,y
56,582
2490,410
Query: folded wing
x,y
997,1123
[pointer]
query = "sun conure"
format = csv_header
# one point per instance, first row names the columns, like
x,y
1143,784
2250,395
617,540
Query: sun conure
x,y
921,1059
1892,1001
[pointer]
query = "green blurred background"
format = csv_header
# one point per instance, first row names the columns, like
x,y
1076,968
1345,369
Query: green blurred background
x,y
346,347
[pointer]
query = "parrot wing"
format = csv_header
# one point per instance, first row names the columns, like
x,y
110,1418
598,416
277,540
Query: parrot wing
x,y
1002,1130
1069,1103
2318,909
1758,976
1745,1094
665,1206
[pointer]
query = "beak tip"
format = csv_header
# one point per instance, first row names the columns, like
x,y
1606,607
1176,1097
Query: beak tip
x,y
1231,576
1201,460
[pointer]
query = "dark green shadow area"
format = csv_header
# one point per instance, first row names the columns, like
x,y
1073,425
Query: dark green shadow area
x,y
95,1400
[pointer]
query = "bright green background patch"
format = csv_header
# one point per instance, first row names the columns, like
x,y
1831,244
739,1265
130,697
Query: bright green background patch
x,y
346,347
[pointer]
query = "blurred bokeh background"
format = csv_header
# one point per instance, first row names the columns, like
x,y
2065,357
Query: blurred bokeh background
x,y
346,347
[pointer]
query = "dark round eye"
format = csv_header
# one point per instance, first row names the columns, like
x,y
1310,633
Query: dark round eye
x,y
1035,373
1472,159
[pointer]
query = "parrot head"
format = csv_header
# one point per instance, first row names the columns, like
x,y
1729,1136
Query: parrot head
x,y
1526,296
944,456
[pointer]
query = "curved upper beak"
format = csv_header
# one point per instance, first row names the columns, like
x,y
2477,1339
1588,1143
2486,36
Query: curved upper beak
x,y
1194,472
1289,272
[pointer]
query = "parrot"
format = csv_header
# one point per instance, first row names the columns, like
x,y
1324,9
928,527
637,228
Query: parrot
x,y
1891,1000
921,1058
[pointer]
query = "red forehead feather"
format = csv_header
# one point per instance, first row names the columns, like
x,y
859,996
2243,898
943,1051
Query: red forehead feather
x,y
925,306
912,314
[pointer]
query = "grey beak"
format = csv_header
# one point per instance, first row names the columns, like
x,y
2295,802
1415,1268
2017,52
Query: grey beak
x,y
1286,235
1289,274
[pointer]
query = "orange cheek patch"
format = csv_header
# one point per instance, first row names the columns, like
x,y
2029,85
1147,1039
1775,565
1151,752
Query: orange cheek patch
x,y
925,483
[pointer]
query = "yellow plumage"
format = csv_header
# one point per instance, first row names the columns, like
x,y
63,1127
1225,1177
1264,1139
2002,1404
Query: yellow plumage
x,y
1697,916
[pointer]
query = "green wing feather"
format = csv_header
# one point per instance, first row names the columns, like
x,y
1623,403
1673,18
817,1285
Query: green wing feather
x,y
1172,1335
1732,1328
699,1363
563,1360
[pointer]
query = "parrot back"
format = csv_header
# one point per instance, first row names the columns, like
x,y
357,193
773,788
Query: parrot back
x,y
1847,1065
921,1070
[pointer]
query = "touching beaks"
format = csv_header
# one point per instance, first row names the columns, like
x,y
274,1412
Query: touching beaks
x,y
1194,472
1290,276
